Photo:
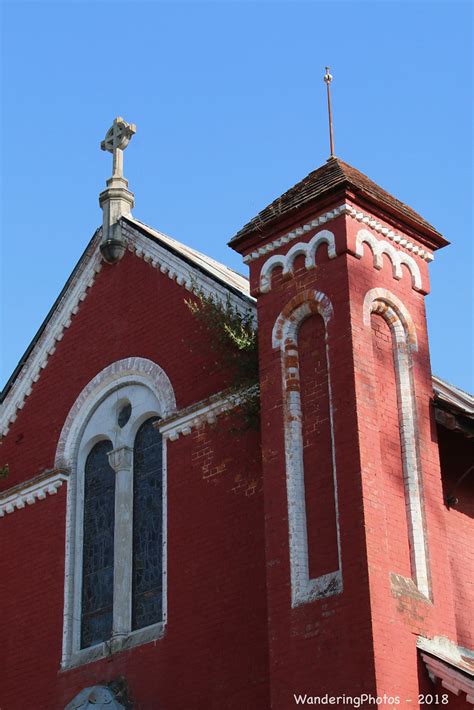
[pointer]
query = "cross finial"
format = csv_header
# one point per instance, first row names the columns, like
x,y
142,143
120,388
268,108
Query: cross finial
x,y
328,79
115,142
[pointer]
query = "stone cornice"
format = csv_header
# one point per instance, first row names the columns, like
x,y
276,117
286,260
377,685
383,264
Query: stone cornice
x,y
451,665
453,395
204,412
28,492
192,279
175,268
351,211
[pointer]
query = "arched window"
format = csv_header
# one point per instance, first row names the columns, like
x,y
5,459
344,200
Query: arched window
x,y
147,526
115,583
98,546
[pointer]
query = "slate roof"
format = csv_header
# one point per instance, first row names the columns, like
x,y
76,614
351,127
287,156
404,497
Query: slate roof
x,y
334,175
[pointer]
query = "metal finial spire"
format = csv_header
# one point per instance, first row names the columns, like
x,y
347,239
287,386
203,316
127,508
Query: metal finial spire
x,y
328,79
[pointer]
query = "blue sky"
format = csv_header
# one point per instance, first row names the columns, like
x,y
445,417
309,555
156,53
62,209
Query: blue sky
x,y
230,110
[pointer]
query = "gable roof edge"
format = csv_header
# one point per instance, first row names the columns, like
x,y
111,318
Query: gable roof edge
x,y
35,359
144,245
163,252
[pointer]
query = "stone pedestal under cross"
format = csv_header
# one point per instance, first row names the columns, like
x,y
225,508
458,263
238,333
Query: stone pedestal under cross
x,y
116,200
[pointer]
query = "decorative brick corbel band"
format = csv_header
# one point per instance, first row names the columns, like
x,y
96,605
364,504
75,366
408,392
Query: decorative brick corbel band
x,y
286,261
189,276
379,247
332,214
203,412
448,663
28,492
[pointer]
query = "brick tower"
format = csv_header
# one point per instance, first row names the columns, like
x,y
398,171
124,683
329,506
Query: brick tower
x,y
356,563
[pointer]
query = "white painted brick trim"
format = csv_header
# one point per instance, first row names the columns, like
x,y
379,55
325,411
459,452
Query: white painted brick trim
x,y
448,666
332,214
193,417
71,450
135,370
285,337
28,493
379,247
286,261
61,319
386,304
192,279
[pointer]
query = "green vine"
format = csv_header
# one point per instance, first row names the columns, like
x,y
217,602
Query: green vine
x,y
233,338
4,471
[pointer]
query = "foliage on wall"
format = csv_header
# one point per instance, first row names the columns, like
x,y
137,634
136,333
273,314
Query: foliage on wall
x,y
233,338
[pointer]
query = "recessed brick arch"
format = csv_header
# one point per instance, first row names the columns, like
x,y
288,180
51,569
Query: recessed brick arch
x,y
382,302
285,337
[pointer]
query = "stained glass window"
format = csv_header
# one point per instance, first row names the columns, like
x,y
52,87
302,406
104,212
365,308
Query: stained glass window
x,y
98,547
147,589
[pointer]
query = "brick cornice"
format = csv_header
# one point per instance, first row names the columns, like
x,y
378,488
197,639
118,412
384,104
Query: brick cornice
x,y
28,492
204,412
342,209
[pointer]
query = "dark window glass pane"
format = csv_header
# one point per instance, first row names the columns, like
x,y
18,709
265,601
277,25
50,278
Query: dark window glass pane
x,y
147,527
124,415
98,547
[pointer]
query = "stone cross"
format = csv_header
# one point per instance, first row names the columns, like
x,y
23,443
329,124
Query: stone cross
x,y
115,142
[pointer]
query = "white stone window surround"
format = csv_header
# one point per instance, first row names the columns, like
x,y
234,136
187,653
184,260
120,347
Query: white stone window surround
x,y
93,418
404,343
285,338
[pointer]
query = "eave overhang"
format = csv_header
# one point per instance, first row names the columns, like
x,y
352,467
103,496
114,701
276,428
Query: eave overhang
x,y
449,664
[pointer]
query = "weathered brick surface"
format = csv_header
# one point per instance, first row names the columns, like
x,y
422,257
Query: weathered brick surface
x,y
317,448
233,639
363,640
390,487
214,651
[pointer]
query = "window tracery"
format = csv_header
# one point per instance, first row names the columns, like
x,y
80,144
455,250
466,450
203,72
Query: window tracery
x,y
115,587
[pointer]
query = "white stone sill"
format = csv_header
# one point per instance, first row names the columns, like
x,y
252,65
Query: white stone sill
x,y
115,645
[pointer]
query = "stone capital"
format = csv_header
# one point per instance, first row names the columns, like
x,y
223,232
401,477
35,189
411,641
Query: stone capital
x,y
121,459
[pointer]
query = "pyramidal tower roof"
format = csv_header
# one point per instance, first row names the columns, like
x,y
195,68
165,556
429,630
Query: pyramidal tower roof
x,y
332,178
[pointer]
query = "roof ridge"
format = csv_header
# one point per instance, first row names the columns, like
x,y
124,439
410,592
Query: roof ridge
x,y
180,246
333,174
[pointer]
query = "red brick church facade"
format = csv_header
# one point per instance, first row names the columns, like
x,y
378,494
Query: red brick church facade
x,y
325,554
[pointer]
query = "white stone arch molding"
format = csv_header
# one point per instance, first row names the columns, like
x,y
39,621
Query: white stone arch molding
x,y
379,247
285,338
404,344
286,261
93,417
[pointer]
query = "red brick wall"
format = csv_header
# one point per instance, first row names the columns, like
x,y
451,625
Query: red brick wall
x,y
317,448
363,640
398,617
131,310
214,651
391,482
324,646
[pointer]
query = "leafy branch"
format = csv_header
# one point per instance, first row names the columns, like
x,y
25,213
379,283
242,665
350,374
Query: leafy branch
x,y
233,338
